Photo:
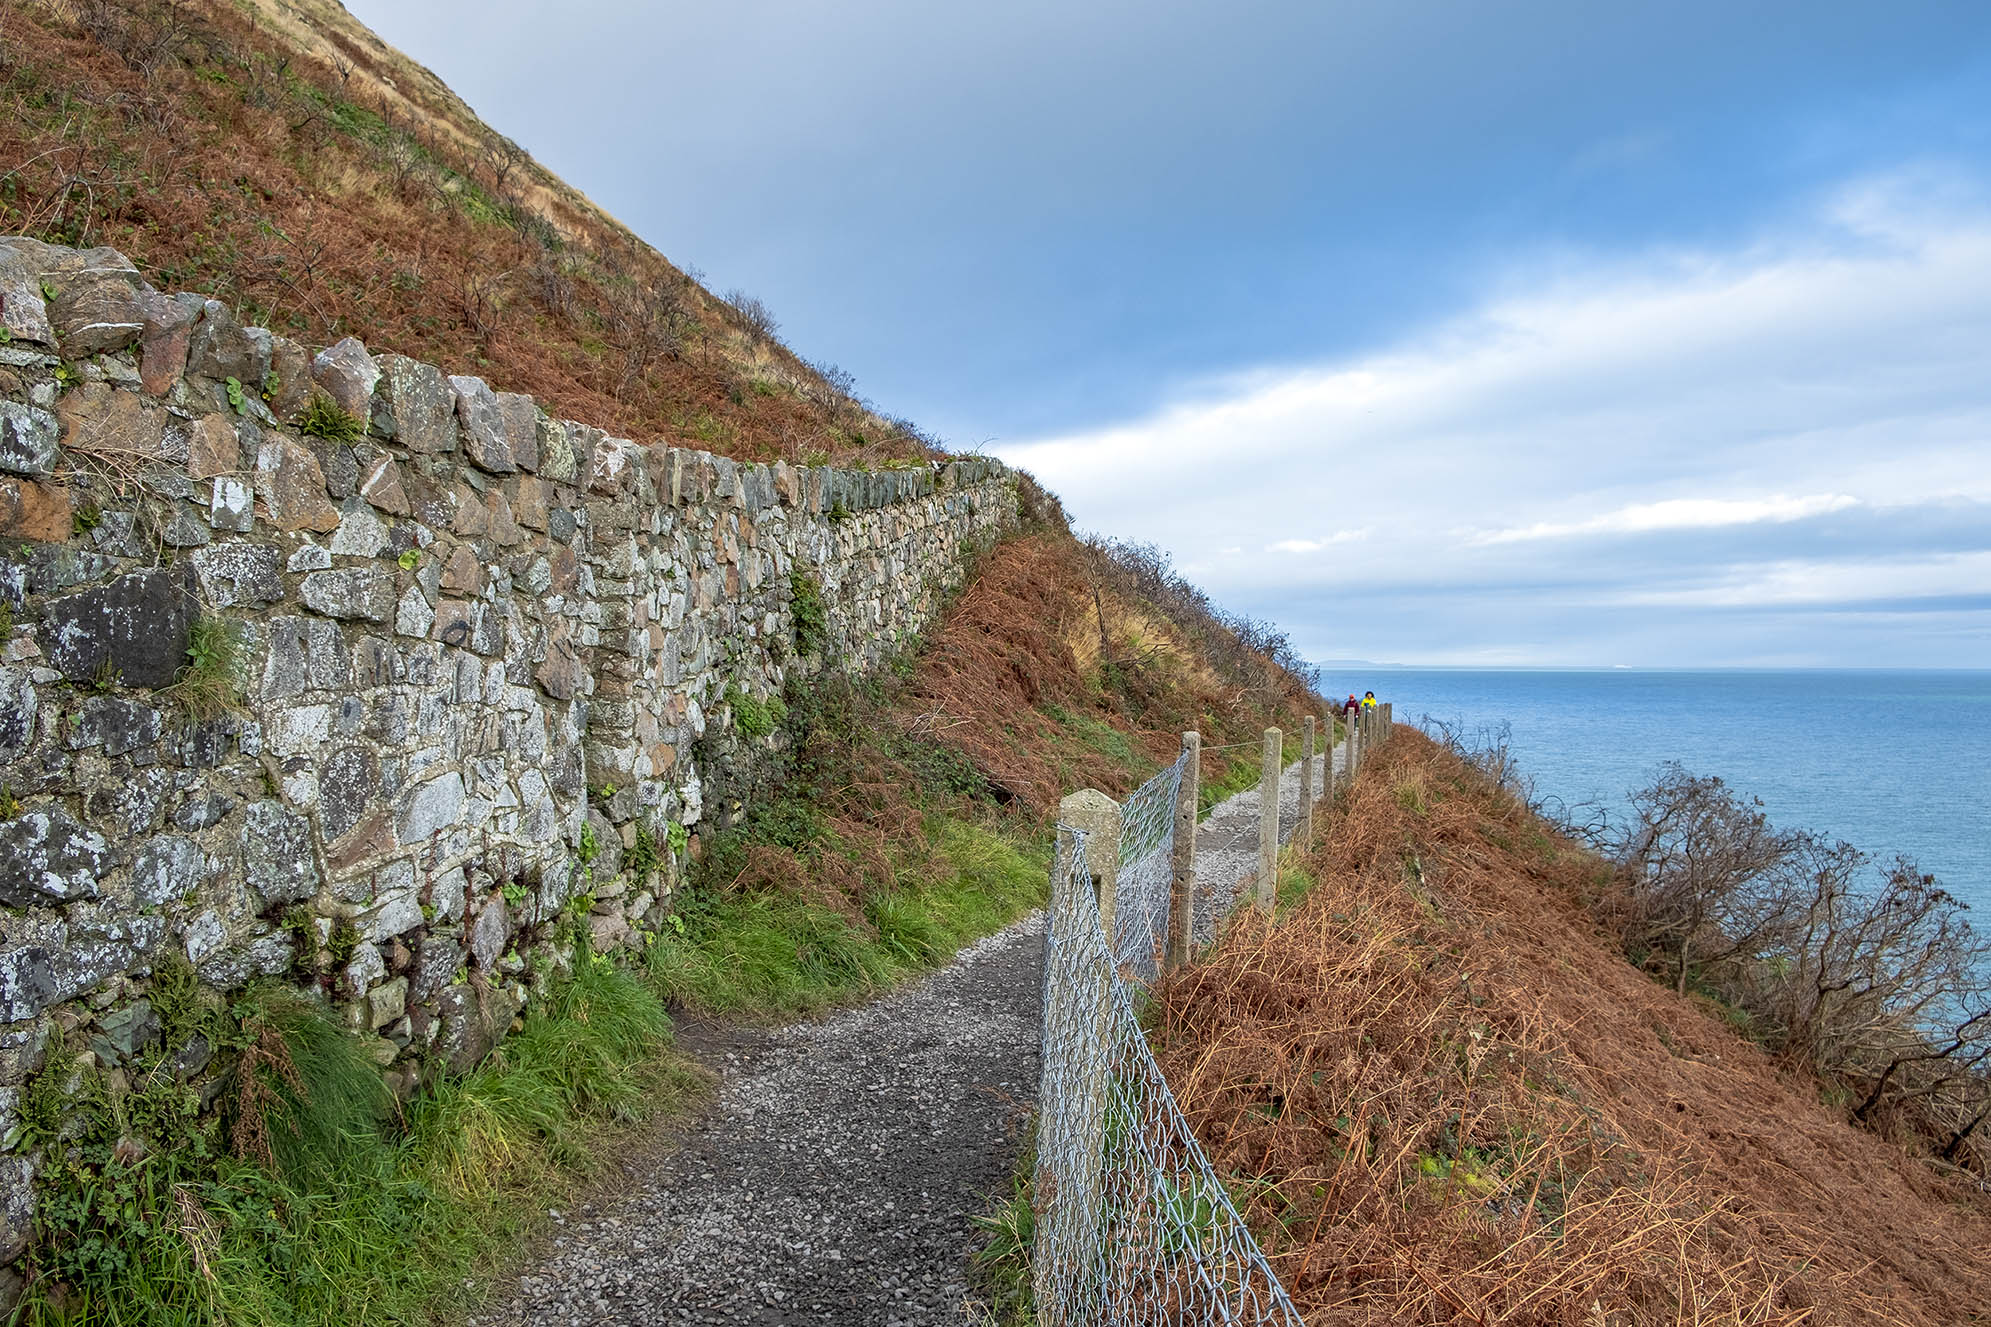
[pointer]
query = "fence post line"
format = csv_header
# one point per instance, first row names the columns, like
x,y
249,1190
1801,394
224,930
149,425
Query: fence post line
x,y
1182,878
1303,833
1268,818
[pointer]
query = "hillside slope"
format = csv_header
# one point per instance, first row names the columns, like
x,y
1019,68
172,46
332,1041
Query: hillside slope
x,y
279,156
1451,1100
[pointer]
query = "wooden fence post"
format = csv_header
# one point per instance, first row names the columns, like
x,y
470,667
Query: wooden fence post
x,y
1303,833
1182,881
1268,818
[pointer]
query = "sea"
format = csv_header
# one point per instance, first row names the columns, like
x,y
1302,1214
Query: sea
x,y
1891,762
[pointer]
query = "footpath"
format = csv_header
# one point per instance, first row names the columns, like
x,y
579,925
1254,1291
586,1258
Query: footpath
x,y
835,1177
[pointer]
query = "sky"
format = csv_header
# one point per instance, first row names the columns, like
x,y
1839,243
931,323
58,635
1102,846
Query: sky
x,y
1545,332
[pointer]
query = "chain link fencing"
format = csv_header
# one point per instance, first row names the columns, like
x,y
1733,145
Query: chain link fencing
x,y
1134,1227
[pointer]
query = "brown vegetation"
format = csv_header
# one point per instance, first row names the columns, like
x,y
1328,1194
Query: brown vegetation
x,y
1445,1097
287,162
1055,671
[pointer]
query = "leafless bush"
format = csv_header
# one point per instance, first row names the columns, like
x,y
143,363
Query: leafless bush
x,y
143,36
754,316
1237,646
645,323
845,407
1488,748
1701,873
1885,979
1870,975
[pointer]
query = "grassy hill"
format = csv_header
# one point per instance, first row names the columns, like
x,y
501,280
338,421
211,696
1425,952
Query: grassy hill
x,y
279,156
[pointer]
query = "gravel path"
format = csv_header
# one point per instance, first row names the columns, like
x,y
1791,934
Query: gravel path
x,y
834,1178
1227,841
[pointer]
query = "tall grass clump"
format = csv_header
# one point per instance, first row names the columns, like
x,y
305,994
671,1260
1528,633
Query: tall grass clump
x,y
311,1197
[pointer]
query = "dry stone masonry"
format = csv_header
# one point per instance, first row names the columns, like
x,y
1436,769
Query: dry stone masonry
x,y
482,660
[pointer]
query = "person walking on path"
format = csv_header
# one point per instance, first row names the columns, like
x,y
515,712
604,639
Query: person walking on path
x,y
1368,700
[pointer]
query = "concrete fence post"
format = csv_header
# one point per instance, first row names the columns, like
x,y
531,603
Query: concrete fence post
x,y
1303,833
1072,1094
1182,876
1098,815
1268,818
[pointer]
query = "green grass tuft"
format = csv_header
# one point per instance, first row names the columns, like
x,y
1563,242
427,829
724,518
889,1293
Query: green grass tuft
x,y
208,684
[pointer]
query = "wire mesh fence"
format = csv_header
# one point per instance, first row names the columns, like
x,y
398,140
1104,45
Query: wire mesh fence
x,y
1141,891
1134,1226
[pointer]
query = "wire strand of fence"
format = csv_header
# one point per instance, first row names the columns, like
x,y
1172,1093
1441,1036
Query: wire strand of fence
x,y
1135,1226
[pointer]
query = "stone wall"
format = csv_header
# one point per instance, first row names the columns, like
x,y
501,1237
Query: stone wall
x,y
479,657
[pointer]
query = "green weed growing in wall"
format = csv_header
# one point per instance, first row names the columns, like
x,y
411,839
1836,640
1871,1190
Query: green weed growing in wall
x,y
206,685
806,609
323,418
753,717
642,860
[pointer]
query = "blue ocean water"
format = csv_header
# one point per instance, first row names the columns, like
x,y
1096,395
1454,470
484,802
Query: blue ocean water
x,y
1892,762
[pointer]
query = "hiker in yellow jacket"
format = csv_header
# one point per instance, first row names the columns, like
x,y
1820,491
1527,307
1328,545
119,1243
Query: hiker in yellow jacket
x,y
1368,700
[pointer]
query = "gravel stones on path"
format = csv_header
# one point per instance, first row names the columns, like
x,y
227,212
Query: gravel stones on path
x,y
836,1175
1227,841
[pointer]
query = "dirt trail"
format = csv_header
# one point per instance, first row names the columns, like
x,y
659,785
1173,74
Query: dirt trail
x,y
834,1178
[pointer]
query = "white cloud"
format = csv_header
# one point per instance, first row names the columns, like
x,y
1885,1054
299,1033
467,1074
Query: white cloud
x,y
1833,365
1317,545
1677,514
1803,582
